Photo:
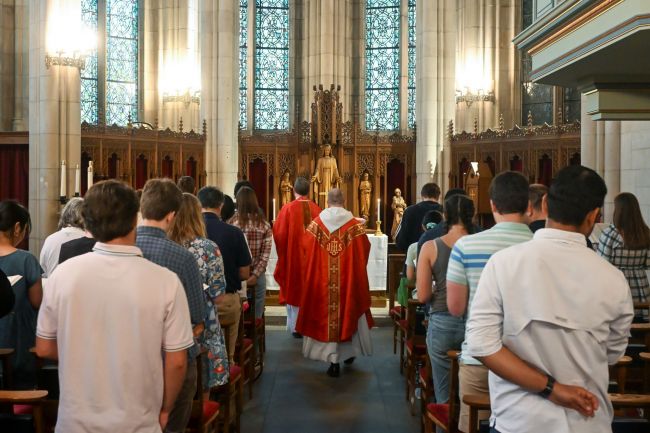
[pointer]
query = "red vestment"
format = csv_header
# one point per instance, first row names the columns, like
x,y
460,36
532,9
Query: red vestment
x,y
337,293
288,233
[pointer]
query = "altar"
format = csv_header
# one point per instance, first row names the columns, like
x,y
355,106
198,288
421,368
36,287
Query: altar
x,y
377,264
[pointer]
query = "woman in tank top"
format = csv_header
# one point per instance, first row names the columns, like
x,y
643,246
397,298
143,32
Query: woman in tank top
x,y
445,332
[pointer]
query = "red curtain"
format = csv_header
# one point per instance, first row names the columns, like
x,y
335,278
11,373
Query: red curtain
x,y
112,166
395,170
140,172
516,164
545,170
190,170
14,169
257,175
167,169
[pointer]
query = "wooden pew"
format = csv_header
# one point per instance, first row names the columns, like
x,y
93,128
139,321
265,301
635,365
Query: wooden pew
x,y
33,398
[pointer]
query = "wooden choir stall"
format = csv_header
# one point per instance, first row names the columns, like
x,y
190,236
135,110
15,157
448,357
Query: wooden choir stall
x,y
141,152
538,152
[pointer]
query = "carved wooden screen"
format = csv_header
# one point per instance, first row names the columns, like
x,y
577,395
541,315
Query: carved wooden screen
x,y
537,152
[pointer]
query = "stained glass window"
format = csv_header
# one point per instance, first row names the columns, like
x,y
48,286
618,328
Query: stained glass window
x,y
118,91
243,63
382,64
272,64
411,64
121,61
89,97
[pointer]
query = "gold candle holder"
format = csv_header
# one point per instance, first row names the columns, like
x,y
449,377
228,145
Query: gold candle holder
x,y
378,231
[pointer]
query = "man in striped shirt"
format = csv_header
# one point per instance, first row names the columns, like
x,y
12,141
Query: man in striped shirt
x,y
509,201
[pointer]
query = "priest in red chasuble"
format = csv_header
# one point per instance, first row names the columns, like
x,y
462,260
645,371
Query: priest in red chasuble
x,y
334,313
288,233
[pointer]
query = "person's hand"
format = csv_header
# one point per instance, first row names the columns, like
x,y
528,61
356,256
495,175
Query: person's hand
x,y
251,281
163,418
198,329
574,397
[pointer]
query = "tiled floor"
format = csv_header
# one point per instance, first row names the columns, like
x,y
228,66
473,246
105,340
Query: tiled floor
x,y
294,395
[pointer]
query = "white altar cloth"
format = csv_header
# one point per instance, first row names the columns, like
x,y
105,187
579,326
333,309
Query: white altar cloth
x,y
377,264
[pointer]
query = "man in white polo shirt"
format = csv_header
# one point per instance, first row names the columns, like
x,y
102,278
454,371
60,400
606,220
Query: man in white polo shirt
x,y
118,324
548,317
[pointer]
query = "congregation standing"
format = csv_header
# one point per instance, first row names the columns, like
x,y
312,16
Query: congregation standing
x,y
164,270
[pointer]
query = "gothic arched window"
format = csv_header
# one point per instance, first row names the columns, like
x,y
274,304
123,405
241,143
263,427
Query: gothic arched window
x,y
110,80
272,64
243,63
390,102
411,66
270,60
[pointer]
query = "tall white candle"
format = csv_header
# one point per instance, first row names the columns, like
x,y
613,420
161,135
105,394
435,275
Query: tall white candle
x,y
77,181
378,209
90,174
273,209
63,180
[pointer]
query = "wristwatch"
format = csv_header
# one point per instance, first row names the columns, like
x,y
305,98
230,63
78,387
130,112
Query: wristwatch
x,y
546,392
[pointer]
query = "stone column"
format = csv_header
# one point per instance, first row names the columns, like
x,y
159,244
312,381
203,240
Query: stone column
x,y
600,148
54,110
150,37
7,59
612,174
436,36
486,59
587,137
178,63
219,38
21,66
327,49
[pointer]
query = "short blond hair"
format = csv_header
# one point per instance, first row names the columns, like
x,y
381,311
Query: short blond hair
x,y
188,223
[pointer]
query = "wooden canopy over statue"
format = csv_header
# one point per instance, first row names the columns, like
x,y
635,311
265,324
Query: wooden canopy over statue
x,y
331,153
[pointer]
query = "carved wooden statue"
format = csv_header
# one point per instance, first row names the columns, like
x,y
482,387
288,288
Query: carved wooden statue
x,y
286,189
326,176
398,206
365,191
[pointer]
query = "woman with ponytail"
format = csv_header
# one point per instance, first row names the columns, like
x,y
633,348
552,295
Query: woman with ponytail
x,y
445,331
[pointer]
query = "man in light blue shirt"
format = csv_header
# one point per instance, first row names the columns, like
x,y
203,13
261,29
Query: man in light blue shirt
x,y
509,200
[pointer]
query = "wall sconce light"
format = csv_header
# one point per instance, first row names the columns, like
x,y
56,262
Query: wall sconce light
x,y
186,98
77,60
468,97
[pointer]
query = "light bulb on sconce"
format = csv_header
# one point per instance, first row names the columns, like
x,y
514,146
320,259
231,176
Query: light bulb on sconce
x,y
181,82
472,86
69,43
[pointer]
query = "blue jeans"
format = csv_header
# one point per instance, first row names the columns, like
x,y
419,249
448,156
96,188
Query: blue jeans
x,y
445,332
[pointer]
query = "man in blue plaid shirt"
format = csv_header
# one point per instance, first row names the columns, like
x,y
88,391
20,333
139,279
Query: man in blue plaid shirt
x,y
161,199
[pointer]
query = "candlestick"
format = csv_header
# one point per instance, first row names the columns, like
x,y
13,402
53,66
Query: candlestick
x,y
63,191
90,175
378,231
273,209
77,181
378,207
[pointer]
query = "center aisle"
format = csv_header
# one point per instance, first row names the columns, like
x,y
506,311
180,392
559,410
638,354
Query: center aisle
x,y
294,395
